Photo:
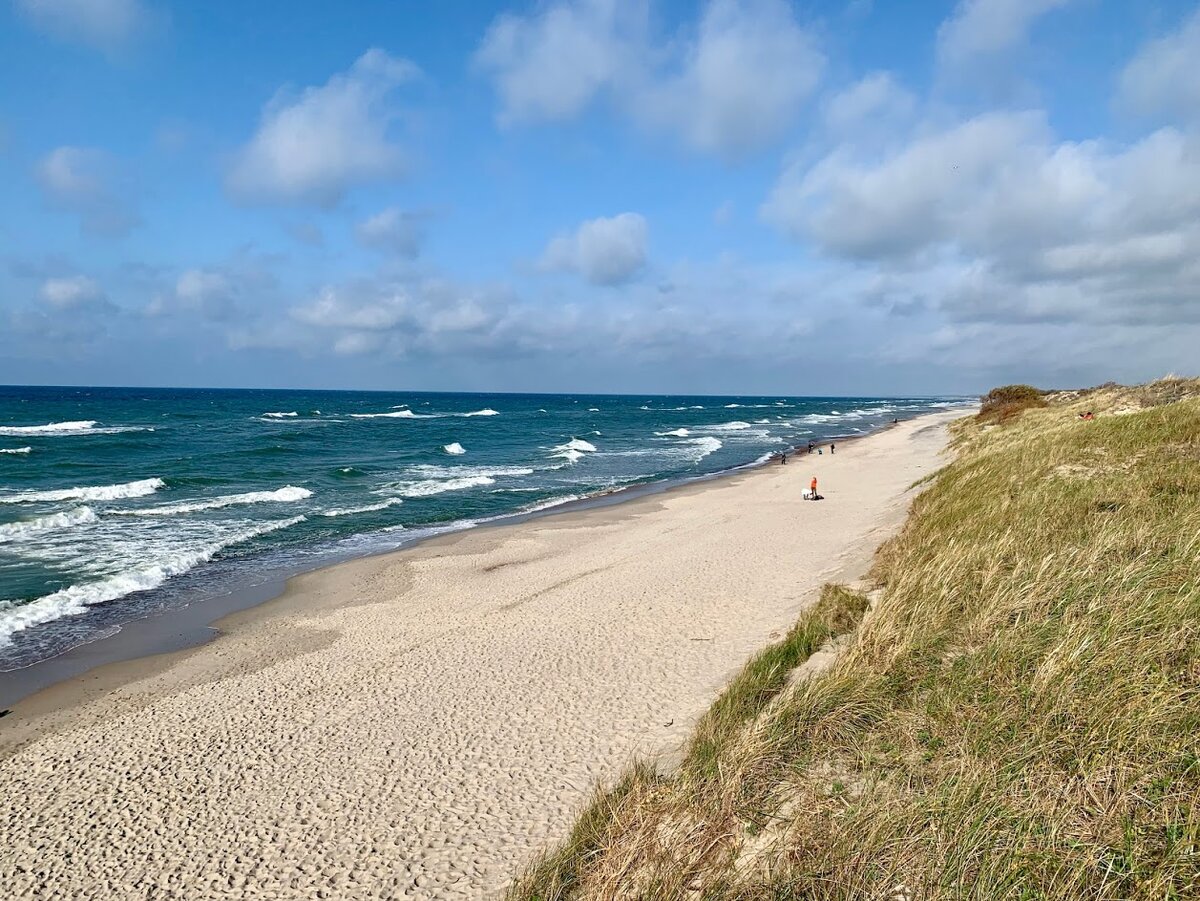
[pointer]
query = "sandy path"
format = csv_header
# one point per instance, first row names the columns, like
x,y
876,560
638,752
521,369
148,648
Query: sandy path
x,y
417,725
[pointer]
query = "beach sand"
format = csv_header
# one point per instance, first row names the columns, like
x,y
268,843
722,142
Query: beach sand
x,y
420,724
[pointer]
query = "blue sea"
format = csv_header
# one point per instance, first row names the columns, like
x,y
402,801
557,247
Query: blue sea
x,y
115,502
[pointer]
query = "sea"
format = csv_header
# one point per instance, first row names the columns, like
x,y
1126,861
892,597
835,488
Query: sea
x,y
120,502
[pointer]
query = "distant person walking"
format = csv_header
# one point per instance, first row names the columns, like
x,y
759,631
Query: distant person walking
x,y
783,459
831,447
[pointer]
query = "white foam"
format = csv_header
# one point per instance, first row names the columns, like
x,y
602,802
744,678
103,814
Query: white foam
x,y
432,471
428,487
573,450
16,530
705,446
78,425
732,406
735,426
578,444
409,414
396,414
15,617
282,415
369,508
140,488
677,433
593,409
74,427
286,494
454,448
16,450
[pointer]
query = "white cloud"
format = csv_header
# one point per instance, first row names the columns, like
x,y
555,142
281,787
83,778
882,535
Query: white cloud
x,y
732,87
551,64
980,31
876,101
70,292
740,83
314,147
993,219
106,24
1164,76
392,231
80,180
604,251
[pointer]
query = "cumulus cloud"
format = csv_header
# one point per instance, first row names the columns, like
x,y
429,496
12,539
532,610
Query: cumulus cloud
x,y
71,293
549,65
313,147
994,219
105,24
979,32
604,251
876,101
741,81
82,181
1164,76
733,86
392,231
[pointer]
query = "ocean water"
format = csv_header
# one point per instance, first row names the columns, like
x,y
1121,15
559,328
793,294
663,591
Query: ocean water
x,y
117,502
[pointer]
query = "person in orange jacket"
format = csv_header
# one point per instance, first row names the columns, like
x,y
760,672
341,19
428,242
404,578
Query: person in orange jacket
x,y
813,487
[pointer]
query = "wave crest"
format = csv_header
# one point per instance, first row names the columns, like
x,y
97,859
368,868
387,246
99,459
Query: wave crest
x,y
140,488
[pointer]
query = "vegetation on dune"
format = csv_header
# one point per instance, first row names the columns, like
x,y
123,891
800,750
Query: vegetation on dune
x,y
1017,715
1002,404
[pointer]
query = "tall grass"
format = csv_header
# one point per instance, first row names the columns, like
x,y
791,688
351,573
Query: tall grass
x,y
1018,717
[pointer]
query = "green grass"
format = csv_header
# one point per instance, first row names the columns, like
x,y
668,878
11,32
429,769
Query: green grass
x,y
1018,716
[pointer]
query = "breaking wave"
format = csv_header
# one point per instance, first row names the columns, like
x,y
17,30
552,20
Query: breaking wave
x,y
286,494
16,450
454,448
76,599
50,523
140,488
369,508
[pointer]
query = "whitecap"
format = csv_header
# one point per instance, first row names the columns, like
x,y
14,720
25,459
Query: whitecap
x,y
281,415
577,444
140,488
593,409
66,429
397,414
286,494
369,508
428,487
71,601
454,448
16,450
50,523
487,411
676,433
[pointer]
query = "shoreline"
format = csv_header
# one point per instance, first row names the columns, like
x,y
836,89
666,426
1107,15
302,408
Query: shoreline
x,y
447,706
194,624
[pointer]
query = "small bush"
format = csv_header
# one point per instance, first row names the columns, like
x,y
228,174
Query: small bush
x,y
1002,404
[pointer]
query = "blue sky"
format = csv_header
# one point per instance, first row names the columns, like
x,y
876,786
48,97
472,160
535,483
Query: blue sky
x,y
733,196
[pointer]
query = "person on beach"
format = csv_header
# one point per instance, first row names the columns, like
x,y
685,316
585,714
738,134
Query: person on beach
x,y
831,447
812,487
810,447
783,459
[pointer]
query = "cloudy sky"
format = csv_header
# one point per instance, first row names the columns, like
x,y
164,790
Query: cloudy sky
x,y
733,196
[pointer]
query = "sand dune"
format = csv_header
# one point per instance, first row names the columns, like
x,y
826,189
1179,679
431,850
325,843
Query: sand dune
x,y
417,725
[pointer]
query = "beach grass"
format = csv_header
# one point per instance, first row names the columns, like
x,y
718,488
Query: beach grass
x,y
1017,715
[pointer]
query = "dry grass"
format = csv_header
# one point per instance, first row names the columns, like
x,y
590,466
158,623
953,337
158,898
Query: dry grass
x,y
1018,717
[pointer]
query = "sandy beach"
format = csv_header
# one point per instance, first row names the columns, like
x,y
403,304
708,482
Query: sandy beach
x,y
419,724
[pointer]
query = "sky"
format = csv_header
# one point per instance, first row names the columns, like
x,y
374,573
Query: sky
x,y
626,196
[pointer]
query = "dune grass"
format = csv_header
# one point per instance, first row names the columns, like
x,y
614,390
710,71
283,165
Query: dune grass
x,y
1017,717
